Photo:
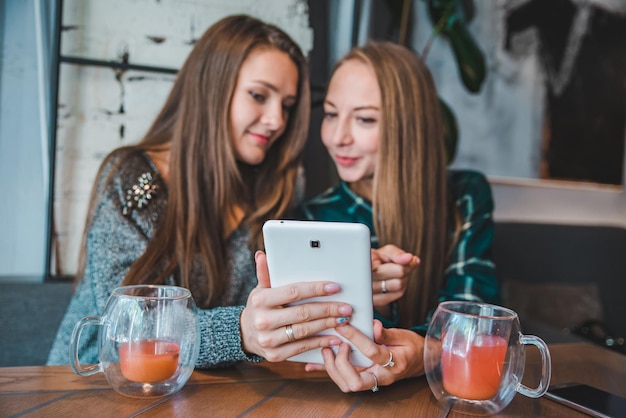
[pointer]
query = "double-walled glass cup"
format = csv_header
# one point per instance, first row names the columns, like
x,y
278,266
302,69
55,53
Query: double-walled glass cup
x,y
474,357
148,340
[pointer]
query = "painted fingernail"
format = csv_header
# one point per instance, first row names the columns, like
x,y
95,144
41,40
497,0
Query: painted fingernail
x,y
345,310
343,319
331,288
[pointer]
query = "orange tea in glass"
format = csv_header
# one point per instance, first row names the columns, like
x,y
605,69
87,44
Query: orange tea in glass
x,y
475,371
474,357
148,341
149,360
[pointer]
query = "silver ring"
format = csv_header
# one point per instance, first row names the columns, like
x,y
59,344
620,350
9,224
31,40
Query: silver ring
x,y
375,388
383,286
289,332
390,362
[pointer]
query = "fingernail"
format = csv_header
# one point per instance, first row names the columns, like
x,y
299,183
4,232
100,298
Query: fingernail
x,y
331,288
345,310
335,342
343,319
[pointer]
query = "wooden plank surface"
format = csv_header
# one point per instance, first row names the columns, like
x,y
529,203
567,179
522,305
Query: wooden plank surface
x,y
285,389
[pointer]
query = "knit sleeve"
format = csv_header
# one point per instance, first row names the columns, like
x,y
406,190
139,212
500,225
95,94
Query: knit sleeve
x,y
114,241
220,338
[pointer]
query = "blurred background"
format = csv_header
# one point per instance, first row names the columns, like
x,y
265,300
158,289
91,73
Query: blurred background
x,y
534,95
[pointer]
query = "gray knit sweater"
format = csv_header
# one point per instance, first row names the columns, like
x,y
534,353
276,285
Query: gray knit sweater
x,y
116,240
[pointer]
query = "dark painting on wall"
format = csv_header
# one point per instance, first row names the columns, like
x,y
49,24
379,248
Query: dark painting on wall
x,y
582,49
552,108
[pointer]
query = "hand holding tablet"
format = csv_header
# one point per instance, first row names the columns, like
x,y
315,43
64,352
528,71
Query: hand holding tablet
x,y
307,251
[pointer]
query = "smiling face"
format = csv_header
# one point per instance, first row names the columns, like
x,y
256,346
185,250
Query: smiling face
x,y
351,125
265,91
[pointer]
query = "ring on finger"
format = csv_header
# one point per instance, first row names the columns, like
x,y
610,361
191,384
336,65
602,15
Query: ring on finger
x,y
390,362
375,387
383,286
289,332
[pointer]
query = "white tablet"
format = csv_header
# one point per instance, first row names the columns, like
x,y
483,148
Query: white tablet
x,y
305,251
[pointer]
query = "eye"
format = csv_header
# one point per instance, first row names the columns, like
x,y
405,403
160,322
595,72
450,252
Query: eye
x,y
366,121
330,115
257,96
288,107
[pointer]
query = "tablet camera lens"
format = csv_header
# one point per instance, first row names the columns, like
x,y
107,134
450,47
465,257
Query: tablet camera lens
x,y
315,244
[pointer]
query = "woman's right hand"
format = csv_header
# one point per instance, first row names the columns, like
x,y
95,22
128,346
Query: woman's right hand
x,y
266,319
397,354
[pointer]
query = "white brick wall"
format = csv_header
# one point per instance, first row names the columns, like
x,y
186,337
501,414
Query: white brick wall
x,y
89,121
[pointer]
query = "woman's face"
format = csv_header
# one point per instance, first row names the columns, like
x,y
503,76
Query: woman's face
x,y
351,125
265,92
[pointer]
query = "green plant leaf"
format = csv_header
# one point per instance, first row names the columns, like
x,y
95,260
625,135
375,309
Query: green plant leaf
x,y
447,20
469,11
451,131
469,58
441,12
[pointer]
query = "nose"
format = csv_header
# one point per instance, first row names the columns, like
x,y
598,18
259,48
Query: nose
x,y
342,134
273,117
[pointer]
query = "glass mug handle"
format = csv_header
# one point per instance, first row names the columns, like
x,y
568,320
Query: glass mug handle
x,y
78,368
546,367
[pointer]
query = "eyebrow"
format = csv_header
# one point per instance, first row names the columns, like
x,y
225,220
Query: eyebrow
x,y
366,107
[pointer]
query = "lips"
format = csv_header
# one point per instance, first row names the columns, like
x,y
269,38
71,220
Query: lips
x,y
346,161
259,138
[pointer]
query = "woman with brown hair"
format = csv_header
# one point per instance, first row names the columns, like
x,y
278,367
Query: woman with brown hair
x,y
186,205
383,128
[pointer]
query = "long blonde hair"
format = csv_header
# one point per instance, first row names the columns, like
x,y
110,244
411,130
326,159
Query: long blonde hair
x,y
205,180
410,181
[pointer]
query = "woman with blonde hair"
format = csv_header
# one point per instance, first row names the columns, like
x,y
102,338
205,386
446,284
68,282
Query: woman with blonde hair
x,y
383,129
186,205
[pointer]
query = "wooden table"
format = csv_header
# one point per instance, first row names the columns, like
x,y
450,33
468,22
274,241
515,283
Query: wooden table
x,y
286,390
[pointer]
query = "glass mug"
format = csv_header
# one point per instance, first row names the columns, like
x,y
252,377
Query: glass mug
x,y
474,357
148,340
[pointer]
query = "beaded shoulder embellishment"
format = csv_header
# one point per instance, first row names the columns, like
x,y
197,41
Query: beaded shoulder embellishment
x,y
140,194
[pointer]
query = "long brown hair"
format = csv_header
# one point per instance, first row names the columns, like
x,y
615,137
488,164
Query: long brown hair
x,y
205,180
410,181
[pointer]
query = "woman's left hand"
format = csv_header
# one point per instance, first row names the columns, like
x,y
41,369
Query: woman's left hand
x,y
391,267
407,354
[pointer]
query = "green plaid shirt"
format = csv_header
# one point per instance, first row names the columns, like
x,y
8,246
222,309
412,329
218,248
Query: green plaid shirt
x,y
470,274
